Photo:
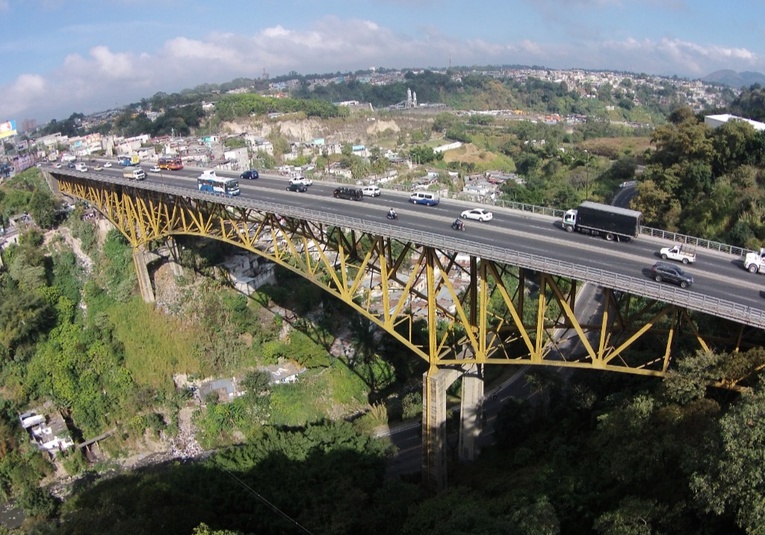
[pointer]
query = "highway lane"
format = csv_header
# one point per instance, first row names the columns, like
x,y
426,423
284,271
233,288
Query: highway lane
x,y
715,274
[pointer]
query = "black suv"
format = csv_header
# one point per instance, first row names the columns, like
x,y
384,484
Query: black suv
x,y
348,193
297,187
662,271
251,174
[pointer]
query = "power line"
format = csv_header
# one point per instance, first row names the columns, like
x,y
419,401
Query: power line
x,y
268,504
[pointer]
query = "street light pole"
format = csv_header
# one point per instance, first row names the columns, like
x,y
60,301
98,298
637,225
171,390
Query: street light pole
x,y
587,173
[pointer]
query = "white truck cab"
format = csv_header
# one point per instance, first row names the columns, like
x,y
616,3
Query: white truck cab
x,y
755,262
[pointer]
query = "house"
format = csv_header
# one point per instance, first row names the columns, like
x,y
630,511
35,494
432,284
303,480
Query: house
x,y
713,121
224,389
284,373
49,433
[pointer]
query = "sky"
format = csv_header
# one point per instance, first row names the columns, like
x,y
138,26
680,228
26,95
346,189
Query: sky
x,y
60,57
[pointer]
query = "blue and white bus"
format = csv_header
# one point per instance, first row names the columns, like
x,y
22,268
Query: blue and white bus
x,y
210,182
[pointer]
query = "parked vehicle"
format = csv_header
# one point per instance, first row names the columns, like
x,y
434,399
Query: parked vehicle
x,y
345,192
682,252
755,262
601,219
428,198
479,214
250,174
134,173
661,271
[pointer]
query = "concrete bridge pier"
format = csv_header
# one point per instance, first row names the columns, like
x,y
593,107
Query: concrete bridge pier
x,y
434,384
175,256
141,260
471,413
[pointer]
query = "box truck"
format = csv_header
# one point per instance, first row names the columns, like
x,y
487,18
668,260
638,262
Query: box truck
x,y
612,222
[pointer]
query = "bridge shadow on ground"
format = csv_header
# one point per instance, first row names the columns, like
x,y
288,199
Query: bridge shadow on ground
x,y
277,485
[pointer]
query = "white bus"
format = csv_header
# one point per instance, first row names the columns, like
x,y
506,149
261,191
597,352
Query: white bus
x,y
210,182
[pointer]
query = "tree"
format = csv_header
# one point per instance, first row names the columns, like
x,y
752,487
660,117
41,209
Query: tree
x,y
42,208
634,516
734,478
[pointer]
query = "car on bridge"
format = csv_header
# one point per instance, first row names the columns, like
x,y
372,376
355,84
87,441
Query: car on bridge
x,y
479,214
98,168
661,271
108,164
301,180
345,192
250,174
155,169
297,187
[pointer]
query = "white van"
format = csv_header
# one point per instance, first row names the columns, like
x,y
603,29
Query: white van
x,y
81,167
371,191
428,198
134,173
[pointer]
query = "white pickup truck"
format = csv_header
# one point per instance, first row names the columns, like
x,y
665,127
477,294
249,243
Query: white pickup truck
x,y
680,252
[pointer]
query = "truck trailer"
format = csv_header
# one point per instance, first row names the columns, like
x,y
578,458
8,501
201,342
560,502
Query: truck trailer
x,y
612,222
127,161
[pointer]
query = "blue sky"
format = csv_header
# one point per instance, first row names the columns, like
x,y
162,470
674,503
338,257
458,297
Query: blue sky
x,y
66,56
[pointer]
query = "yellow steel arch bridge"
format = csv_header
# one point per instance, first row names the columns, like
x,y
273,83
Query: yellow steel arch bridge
x,y
446,299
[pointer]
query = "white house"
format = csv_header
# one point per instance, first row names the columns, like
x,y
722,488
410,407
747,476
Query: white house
x,y
713,121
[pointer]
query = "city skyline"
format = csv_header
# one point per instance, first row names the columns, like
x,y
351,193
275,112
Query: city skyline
x,y
59,60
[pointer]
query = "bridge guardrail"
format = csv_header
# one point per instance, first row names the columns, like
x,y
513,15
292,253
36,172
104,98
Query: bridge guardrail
x,y
639,286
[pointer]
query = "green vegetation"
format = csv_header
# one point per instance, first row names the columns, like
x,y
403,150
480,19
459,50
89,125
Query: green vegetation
x,y
705,182
233,106
599,454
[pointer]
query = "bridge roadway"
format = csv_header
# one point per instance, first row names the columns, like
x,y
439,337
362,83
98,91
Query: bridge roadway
x,y
721,286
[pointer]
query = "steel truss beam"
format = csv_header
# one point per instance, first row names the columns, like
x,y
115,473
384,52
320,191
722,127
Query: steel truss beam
x,y
451,310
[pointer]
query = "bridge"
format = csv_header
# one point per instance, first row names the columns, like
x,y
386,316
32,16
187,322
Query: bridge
x,y
503,293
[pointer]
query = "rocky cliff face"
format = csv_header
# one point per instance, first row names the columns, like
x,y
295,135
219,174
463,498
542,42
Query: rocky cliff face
x,y
304,131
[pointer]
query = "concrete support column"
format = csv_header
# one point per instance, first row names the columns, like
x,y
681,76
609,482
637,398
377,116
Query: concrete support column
x,y
434,385
175,255
471,409
142,272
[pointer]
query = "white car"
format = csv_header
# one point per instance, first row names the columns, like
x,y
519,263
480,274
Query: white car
x,y
108,164
155,169
301,180
479,214
98,168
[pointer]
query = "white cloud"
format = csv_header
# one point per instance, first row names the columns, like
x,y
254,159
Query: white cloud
x,y
17,96
104,78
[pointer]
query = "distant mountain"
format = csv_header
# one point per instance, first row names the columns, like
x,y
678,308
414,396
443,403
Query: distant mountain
x,y
735,79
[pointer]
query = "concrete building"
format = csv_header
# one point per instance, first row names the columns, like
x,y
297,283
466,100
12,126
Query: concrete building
x,y
713,121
